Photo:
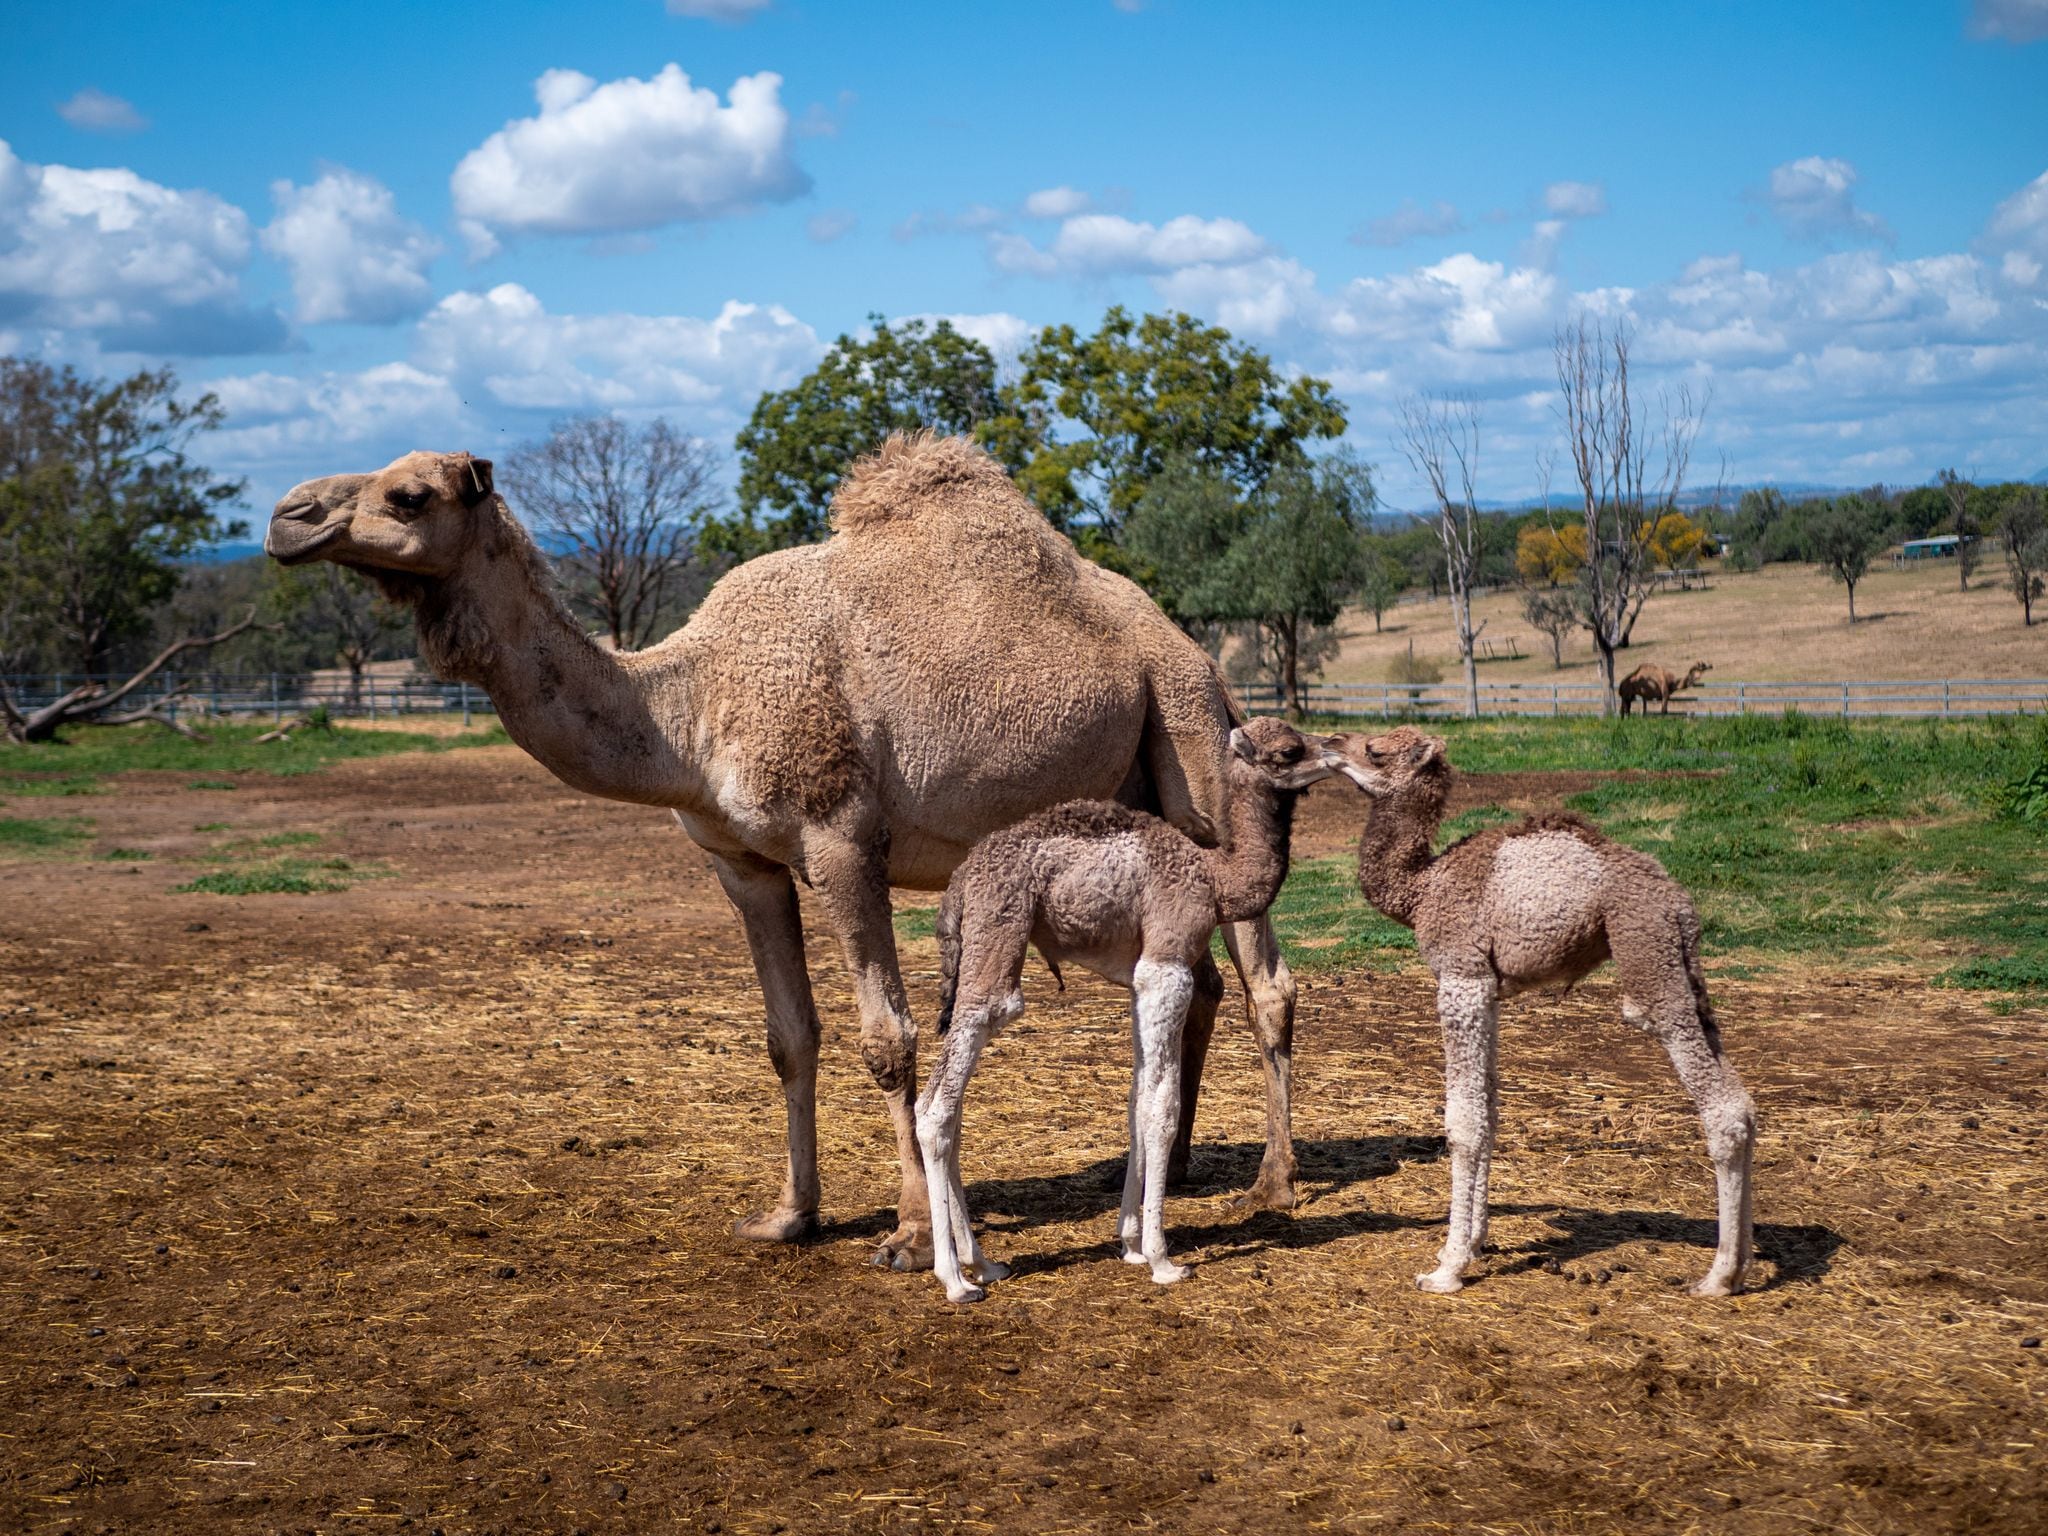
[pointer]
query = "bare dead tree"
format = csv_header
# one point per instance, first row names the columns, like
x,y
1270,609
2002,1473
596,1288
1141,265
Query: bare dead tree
x,y
620,507
1629,473
1440,436
1957,490
92,703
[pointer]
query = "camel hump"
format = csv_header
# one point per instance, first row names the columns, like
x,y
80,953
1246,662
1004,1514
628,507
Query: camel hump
x,y
921,476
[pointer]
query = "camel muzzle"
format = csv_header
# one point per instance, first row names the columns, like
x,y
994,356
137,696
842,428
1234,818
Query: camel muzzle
x,y
298,533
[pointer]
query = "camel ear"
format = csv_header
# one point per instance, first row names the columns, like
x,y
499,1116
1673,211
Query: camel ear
x,y
1426,751
472,478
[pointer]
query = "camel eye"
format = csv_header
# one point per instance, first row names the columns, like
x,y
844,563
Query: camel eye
x,y
410,500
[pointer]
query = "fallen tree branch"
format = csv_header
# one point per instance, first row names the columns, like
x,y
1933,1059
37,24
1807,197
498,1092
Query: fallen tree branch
x,y
89,702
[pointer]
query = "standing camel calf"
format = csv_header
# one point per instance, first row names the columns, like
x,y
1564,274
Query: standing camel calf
x,y
1539,903
1128,897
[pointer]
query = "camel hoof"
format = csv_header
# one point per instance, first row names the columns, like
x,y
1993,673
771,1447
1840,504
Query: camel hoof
x,y
1437,1283
989,1271
1264,1196
1170,1274
1716,1285
967,1295
1132,1256
904,1250
777,1226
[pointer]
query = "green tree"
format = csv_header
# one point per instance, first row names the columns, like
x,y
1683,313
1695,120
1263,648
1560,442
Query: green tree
x,y
1178,533
1299,559
1381,578
2023,537
800,441
1092,420
100,503
1842,535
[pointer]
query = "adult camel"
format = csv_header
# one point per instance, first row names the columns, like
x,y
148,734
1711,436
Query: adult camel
x,y
853,715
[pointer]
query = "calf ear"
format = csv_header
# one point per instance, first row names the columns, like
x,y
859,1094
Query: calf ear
x,y
1428,750
472,478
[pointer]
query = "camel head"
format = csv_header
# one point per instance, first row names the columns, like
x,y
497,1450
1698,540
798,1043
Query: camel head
x,y
1279,754
1698,670
414,518
1388,763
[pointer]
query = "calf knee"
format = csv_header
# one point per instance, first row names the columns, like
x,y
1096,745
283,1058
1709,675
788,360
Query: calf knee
x,y
889,1047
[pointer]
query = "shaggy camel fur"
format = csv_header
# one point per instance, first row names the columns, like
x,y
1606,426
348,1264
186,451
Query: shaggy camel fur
x,y
1650,681
1539,903
850,715
1131,899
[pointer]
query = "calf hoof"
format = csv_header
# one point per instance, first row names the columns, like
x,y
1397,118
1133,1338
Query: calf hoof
x,y
1717,1285
966,1295
907,1248
1438,1283
989,1271
777,1226
1165,1273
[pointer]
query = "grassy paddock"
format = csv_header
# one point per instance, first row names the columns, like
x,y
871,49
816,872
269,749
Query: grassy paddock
x,y
85,758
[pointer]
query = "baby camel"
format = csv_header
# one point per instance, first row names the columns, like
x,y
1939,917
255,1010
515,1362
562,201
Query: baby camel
x,y
1541,902
1128,897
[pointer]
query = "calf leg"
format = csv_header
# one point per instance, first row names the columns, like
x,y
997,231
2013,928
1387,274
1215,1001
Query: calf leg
x,y
1161,992
956,1257
1729,1120
1194,1053
1467,1007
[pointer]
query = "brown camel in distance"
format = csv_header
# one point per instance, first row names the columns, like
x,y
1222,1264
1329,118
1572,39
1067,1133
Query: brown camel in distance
x,y
854,715
1650,681
1133,900
1540,903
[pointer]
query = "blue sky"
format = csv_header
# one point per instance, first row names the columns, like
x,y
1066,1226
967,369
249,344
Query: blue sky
x,y
370,232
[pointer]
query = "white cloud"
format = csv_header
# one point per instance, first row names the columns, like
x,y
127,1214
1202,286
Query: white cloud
x,y
2012,21
731,12
352,257
95,111
630,154
1057,203
1575,199
832,224
272,414
2018,233
1815,197
1098,243
134,265
1410,221
505,343
1003,334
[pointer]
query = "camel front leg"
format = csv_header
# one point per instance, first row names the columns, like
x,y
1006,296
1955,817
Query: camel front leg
x,y
852,883
1467,1007
765,897
1160,994
1269,995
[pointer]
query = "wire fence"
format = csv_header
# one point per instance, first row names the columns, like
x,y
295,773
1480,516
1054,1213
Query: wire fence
x,y
274,696
278,696
1918,698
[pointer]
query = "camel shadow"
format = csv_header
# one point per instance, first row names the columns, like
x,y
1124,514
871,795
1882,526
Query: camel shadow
x,y
1325,1167
1800,1255
1255,1233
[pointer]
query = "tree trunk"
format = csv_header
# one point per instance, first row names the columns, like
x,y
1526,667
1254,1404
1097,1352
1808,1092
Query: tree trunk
x,y
1290,657
354,661
1557,650
1606,654
1852,601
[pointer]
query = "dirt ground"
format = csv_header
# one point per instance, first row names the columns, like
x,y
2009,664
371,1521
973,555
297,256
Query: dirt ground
x,y
1784,623
408,1208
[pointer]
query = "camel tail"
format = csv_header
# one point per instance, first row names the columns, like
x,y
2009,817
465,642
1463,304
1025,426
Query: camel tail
x,y
946,929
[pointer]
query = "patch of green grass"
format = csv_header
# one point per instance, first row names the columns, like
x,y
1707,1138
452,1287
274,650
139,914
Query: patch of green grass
x,y
279,876
88,755
128,855
288,840
1324,924
916,922
43,835
211,826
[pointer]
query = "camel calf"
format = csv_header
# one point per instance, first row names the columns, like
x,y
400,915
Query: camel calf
x,y
1540,903
1130,898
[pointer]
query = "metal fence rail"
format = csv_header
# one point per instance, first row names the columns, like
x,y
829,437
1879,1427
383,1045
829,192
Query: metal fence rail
x,y
1940,698
273,695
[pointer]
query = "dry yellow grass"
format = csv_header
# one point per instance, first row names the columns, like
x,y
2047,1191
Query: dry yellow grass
x,y
1785,623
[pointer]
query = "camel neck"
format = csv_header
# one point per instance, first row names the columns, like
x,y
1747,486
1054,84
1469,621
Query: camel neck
x,y
1251,866
582,711
1394,853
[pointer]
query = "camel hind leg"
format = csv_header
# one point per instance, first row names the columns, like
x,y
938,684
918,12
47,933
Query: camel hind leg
x,y
1665,993
1468,1008
1269,994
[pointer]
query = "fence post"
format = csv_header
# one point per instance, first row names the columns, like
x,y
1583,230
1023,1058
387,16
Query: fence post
x,y
1845,701
276,702
1554,709
465,706
373,696
1944,698
1741,699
